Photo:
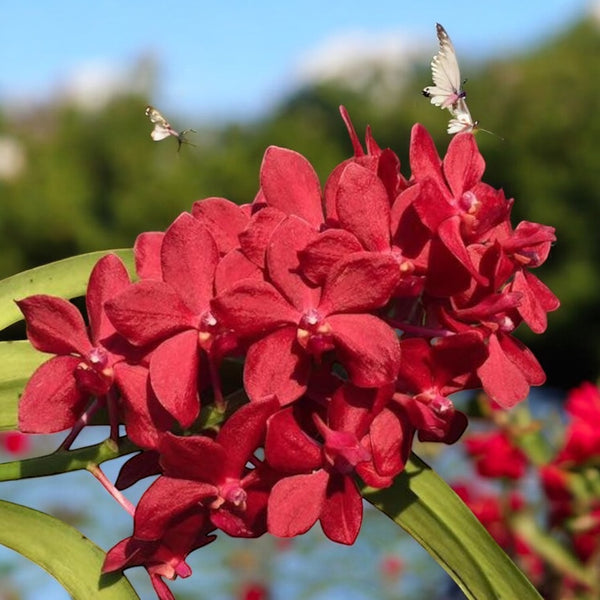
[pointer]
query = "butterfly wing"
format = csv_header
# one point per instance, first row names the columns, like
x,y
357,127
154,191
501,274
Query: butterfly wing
x,y
445,73
155,116
461,121
162,128
160,132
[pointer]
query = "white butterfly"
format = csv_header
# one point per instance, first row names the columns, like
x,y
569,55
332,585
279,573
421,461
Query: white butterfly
x,y
162,128
461,120
447,90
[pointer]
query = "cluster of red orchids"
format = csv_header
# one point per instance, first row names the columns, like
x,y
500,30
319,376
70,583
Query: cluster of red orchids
x,y
354,311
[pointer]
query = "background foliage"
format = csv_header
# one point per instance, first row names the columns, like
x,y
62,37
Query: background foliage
x,y
94,180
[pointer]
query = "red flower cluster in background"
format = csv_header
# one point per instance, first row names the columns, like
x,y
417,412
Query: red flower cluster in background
x,y
566,506
570,480
357,310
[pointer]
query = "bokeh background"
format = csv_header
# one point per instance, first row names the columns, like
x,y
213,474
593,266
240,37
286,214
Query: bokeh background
x,y
79,172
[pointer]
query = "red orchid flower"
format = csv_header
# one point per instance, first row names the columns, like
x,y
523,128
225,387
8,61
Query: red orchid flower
x,y
164,557
212,477
294,323
60,390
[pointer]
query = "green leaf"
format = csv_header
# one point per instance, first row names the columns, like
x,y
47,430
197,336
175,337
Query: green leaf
x,y
429,510
71,558
65,278
18,360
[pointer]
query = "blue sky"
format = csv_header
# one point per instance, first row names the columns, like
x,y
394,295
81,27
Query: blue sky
x,y
225,58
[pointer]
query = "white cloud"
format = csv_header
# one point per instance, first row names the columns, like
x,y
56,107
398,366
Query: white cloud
x,y
92,85
355,57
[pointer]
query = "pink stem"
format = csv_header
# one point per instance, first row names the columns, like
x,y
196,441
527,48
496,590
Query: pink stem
x,y
83,420
97,472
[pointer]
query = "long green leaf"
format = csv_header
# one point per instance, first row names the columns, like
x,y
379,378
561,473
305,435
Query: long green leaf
x,y
18,360
429,510
65,278
72,559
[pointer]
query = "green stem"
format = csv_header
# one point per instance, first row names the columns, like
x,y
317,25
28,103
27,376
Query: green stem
x,y
63,461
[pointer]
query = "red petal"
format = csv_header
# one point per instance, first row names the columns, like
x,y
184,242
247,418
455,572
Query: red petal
x,y
51,400
189,258
319,256
235,525
174,376
283,265
363,207
330,191
431,202
391,440
409,232
234,267
353,408
277,365
255,515
253,308
449,232
437,365
289,183
149,311
164,500
446,275
341,516
424,159
147,255
463,164
503,381
524,358
145,419
54,325
194,457
244,432
224,219
138,467
117,557
356,145
288,448
296,503
537,300
388,171
359,282
108,278
368,349
255,238
455,356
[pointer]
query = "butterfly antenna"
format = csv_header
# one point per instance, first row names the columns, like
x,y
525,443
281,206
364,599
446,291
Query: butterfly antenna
x,y
477,128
